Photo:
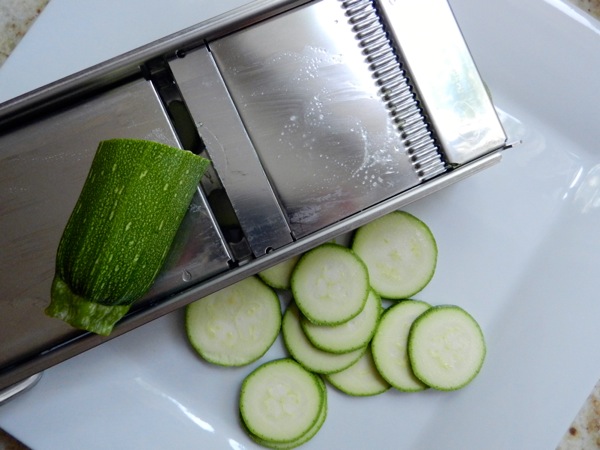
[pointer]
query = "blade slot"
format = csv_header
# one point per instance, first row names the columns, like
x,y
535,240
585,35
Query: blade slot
x,y
221,209
253,201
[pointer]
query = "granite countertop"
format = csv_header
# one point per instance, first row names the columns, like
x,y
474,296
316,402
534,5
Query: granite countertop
x,y
591,6
16,16
584,432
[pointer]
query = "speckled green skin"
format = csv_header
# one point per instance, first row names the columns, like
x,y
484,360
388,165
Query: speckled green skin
x,y
121,229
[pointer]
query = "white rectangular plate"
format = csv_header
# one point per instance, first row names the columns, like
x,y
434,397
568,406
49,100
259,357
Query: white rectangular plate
x,y
518,249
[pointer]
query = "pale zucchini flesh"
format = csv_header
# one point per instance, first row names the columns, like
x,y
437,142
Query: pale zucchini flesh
x,y
409,346
301,349
330,284
361,379
400,253
306,436
390,345
446,347
280,401
236,325
348,336
279,276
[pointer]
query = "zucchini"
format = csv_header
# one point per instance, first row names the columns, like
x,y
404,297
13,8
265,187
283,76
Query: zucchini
x,y
330,284
302,439
236,325
400,253
281,402
352,335
390,345
278,276
310,357
361,379
121,229
446,347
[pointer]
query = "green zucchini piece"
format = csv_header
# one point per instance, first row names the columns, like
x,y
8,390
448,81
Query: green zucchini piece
x,y
330,284
361,379
279,276
303,351
446,347
235,325
121,229
302,439
348,336
281,402
400,253
390,345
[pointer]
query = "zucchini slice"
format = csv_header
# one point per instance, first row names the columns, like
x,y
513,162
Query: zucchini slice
x,y
281,402
121,229
330,284
446,347
301,349
400,253
390,345
278,276
361,379
348,336
306,436
236,325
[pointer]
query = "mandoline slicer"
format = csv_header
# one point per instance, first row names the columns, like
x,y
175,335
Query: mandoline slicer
x,y
318,116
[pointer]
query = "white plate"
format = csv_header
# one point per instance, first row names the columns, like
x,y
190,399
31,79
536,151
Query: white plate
x,y
518,245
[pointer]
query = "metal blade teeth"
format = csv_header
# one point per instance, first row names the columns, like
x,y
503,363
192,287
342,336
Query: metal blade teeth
x,y
395,88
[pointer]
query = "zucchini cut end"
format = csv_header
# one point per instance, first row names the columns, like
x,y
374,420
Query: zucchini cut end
x,y
81,313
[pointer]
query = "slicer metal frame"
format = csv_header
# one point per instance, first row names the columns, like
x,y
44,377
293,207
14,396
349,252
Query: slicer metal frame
x,y
204,89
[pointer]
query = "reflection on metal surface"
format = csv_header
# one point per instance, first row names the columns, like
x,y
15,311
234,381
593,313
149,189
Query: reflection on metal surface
x,y
232,152
395,88
42,168
315,114
12,391
446,77
198,252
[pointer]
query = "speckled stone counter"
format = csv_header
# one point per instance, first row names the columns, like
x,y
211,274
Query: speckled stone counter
x,y
584,432
591,6
16,16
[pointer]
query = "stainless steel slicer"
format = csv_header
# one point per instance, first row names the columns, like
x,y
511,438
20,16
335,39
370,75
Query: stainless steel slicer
x,y
318,116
